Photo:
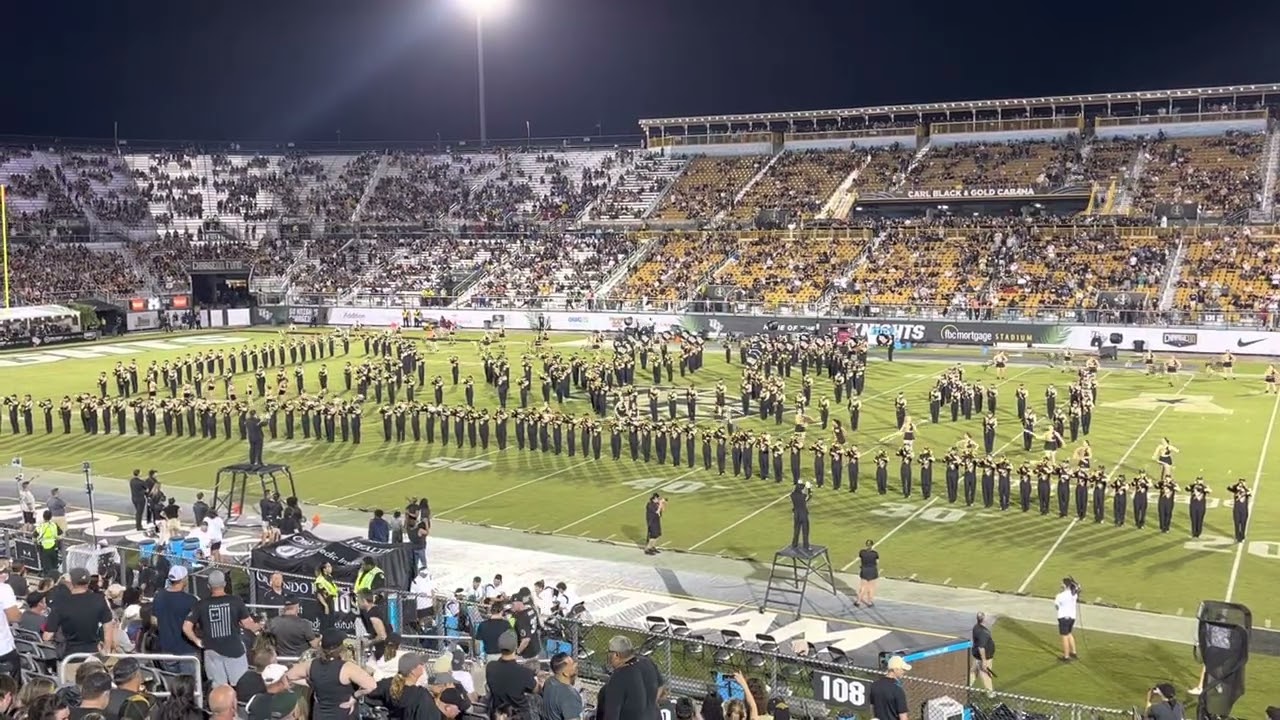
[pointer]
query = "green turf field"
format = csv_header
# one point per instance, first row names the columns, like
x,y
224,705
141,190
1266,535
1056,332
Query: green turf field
x,y
1221,427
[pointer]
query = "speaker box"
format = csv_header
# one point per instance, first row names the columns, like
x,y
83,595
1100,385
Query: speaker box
x,y
1139,345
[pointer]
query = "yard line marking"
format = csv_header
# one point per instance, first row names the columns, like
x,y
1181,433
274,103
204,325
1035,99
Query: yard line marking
x,y
341,460
1253,498
901,525
620,503
335,501
738,522
1074,521
508,489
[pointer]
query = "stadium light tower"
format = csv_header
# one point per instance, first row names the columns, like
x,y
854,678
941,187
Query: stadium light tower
x,y
483,9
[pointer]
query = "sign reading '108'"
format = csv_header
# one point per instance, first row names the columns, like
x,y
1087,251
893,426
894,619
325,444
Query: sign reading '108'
x,y
839,690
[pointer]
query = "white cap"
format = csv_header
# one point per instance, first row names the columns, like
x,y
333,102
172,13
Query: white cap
x,y
273,673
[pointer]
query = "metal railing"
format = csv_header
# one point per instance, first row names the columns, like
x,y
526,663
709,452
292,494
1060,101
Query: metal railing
x,y
79,658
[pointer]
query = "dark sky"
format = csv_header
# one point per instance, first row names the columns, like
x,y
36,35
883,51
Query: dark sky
x,y
406,69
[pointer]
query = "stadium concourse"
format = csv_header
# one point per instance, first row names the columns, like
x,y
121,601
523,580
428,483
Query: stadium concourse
x,y
1116,210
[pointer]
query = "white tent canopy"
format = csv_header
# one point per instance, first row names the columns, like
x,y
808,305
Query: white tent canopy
x,y
37,312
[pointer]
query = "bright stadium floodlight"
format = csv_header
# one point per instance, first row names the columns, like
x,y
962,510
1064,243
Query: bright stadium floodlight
x,y
483,9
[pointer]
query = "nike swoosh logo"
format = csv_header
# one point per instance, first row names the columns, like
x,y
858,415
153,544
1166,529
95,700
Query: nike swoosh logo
x,y
1242,343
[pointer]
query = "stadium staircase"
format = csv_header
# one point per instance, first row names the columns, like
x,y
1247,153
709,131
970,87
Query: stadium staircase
x,y
1129,186
150,283
915,162
833,293
625,268
1173,273
742,191
842,199
377,175
671,182
1271,164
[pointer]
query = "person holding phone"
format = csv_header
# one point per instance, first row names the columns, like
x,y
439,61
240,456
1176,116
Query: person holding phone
x,y
653,522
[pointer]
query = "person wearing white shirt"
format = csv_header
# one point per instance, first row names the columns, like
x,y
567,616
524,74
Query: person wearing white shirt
x,y
494,589
201,534
216,529
27,503
422,588
544,599
564,598
1067,604
10,663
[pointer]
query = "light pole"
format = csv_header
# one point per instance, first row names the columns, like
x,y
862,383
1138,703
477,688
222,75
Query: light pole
x,y
483,9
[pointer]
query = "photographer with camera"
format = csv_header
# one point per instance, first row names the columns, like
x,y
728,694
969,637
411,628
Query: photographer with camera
x,y
1162,704
1067,604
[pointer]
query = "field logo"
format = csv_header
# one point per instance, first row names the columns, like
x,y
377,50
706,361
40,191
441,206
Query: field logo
x,y
1201,404
1179,339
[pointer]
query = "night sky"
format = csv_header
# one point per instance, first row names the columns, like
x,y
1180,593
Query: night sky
x,y
406,70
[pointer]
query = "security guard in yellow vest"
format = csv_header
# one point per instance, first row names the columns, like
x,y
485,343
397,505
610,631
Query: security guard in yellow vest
x,y
326,591
47,534
370,577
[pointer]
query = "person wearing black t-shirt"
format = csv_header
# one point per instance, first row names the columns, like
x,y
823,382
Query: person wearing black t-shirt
x,y
510,683
374,618
634,688
527,635
887,698
490,630
868,573
401,695
95,692
82,616
214,627
984,650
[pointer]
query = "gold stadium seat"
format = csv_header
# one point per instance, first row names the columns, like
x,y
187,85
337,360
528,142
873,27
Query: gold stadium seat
x,y
1221,173
1055,269
708,186
789,271
920,270
994,165
671,270
1228,272
799,183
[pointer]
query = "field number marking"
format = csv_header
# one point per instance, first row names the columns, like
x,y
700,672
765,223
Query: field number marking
x,y
286,446
450,463
900,511
679,487
1221,544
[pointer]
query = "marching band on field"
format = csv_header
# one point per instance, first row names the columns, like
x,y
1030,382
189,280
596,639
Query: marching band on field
x,y
645,425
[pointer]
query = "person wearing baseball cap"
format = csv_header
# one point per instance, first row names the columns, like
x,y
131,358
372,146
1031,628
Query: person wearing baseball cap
x,y
83,618
402,694
171,607
335,681
452,702
510,683
1162,703
214,627
887,698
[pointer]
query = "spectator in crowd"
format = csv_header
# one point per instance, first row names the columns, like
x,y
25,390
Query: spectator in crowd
x,y
1162,703
253,681
292,633
561,699
10,662
402,694
510,683
34,616
17,578
82,617
335,681
490,631
634,687
379,530
33,690
182,703
170,609
129,700
214,627
95,691
58,508
8,695
887,698
276,699
222,703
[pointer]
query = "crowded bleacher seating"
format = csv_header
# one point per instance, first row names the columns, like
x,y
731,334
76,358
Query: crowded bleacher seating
x,y
1069,267
937,268
708,185
1039,164
787,271
417,187
798,183
565,268
56,272
1221,174
638,188
1232,270
1108,159
676,265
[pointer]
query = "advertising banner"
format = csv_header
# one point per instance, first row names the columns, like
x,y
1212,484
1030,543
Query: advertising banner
x,y
903,333
149,320
42,340
303,554
473,319
1173,340
287,314
962,193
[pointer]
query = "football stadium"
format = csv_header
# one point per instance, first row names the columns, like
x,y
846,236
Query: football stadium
x,y
799,400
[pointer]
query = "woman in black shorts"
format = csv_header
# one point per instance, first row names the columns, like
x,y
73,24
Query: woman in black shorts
x,y
868,573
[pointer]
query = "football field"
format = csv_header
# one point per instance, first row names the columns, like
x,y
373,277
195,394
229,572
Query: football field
x,y
1223,428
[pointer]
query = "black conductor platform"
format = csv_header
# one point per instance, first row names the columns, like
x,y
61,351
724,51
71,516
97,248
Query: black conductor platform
x,y
793,567
233,481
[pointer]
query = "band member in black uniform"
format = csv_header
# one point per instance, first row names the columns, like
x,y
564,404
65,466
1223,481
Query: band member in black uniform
x,y
1020,396
777,461
1168,490
935,404
1024,486
1004,482
653,522
855,413
900,408
1081,479
988,467
1199,503
800,495
882,472
1100,485
1119,499
1050,400
1240,508
1028,431
1141,485
904,469
989,425
925,458
969,471
952,462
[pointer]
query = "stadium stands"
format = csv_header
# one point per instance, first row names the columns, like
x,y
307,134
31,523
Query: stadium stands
x,y
1234,270
1220,173
931,267
708,186
1068,267
1038,164
676,265
787,272
57,272
416,187
798,183
1110,159
38,189
638,188
564,269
